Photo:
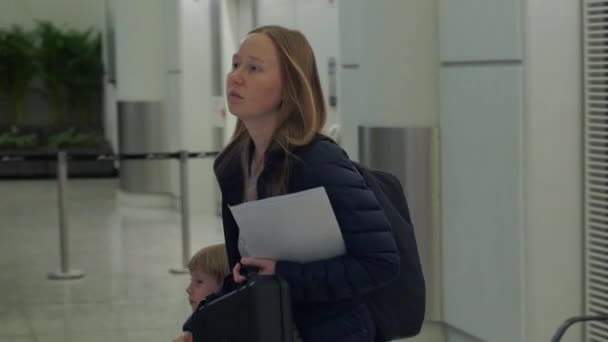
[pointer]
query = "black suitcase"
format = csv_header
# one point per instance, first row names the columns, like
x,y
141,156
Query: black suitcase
x,y
258,311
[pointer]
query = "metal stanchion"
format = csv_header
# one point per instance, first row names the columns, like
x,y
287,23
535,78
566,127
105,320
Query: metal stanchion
x,y
64,244
185,214
65,272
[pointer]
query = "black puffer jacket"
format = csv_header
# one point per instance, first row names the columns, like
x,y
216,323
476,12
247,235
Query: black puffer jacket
x,y
328,288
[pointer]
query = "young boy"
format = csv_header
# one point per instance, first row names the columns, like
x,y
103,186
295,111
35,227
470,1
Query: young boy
x,y
208,268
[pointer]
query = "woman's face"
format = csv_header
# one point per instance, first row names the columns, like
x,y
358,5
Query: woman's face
x,y
254,85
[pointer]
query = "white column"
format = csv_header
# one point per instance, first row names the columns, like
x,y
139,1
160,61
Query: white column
x,y
141,50
481,88
141,76
388,52
554,166
163,54
196,105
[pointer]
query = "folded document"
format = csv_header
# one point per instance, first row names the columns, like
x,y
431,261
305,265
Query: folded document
x,y
299,227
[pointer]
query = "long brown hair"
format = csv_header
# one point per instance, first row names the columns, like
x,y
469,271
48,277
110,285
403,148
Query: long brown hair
x,y
302,101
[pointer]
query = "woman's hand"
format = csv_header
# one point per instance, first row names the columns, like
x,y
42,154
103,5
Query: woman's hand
x,y
185,337
236,274
264,266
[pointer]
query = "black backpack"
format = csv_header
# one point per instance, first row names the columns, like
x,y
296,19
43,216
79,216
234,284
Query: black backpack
x,y
398,309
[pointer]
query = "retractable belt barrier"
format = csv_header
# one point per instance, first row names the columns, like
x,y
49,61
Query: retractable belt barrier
x,y
63,158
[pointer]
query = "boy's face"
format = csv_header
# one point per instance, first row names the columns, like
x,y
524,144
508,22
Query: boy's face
x,y
201,285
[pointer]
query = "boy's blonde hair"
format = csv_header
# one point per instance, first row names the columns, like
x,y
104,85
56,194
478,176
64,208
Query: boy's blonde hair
x,y
212,260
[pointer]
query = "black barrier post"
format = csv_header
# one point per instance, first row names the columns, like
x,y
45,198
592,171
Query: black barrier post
x,y
185,213
64,272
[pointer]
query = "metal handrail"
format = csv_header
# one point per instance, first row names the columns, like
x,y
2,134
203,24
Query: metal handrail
x,y
569,322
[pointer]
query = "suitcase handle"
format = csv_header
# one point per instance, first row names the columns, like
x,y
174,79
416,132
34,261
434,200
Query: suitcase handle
x,y
249,271
569,322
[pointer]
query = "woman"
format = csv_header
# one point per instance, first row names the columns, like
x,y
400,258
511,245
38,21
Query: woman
x,y
275,92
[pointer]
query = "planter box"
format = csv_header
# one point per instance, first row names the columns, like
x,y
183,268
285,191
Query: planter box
x,y
48,169
24,169
93,168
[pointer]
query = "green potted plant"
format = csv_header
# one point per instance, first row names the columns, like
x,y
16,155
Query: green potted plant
x,y
17,70
70,139
13,140
81,51
54,62
88,143
71,69
85,69
17,67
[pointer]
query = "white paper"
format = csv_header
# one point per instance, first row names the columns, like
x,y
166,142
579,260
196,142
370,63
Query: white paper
x,y
300,227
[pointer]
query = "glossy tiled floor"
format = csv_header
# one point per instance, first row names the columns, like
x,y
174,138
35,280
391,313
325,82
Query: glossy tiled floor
x,y
127,293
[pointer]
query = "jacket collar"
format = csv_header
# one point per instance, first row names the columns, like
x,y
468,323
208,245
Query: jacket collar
x,y
231,180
